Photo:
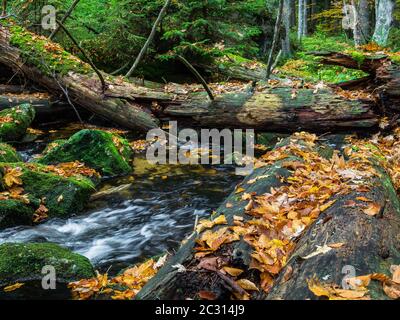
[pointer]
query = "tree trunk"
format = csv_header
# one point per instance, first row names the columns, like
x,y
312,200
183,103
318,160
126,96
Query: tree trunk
x,y
364,14
275,109
149,39
384,20
275,39
287,11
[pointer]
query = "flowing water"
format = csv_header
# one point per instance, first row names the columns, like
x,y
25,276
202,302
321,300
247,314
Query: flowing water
x,y
136,217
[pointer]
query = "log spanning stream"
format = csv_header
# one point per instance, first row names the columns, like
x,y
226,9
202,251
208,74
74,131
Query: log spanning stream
x,y
151,212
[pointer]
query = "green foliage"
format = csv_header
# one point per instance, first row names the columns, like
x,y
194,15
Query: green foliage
x,y
306,66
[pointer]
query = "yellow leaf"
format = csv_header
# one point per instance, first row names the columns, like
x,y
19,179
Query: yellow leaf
x,y
13,287
234,272
372,209
247,285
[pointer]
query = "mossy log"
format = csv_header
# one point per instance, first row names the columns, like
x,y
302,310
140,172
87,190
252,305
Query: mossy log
x,y
135,106
26,53
370,244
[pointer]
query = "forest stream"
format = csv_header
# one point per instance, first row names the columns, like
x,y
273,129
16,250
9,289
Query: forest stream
x,y
147,214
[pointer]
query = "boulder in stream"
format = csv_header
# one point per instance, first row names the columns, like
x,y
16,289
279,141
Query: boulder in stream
x,y
15,121
107,153
31,192
24,267
8,154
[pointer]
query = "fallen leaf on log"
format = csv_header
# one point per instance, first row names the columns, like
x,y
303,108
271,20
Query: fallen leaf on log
x,y
372,209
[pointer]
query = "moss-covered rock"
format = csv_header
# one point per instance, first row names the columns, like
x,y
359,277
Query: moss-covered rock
x,y
8,154
15,121
61,195
107,153
24,263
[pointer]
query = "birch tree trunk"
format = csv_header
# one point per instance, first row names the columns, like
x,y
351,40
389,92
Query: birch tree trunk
x,y
384,19
287,11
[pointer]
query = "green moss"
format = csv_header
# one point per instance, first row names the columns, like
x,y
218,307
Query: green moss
x,y
14,213
308,67
44,54
24,262
8,154
16,122
105,152
62,196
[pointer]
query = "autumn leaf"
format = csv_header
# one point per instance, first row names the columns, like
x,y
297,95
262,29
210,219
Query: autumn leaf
x,y
247,285
207,295
372,209
13,287
12,176
234,272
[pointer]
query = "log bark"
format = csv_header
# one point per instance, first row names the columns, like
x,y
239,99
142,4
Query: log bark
x,y
276,109
47,108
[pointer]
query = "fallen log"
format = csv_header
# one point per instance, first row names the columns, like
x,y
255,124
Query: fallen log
x,y
50,66
47,108
139,107
279,109
360,237
171,283
383,80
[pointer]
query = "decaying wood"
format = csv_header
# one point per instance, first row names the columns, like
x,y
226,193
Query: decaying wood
x,y
138,106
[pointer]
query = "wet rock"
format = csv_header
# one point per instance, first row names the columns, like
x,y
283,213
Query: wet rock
x,y
29,263
15,121
25,187
107,153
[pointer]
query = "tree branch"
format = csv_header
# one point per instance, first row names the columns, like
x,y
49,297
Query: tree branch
x,y
197,75
149,39
103,83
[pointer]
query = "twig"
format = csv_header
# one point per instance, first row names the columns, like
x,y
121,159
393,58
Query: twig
x,y
149,39
103,83
197,75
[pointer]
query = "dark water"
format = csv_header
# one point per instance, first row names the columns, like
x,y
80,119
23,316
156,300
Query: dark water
x,y
154,210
